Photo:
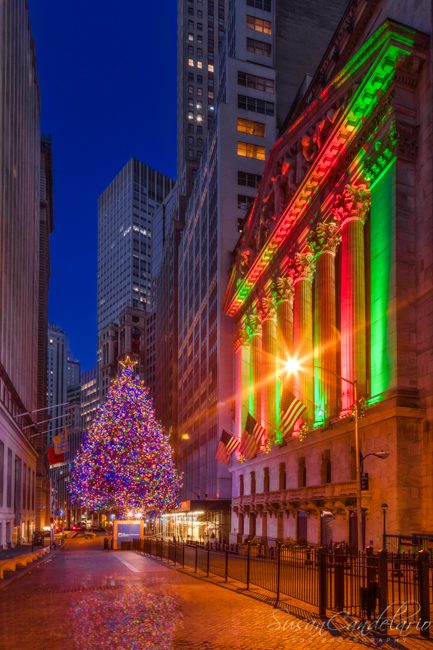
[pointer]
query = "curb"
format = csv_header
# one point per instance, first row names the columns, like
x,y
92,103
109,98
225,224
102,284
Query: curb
x,y
16,575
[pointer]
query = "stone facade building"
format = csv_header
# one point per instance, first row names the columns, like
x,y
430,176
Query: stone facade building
x,y
334,268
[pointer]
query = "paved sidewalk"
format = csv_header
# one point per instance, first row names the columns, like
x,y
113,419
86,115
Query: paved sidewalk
x,y
83,597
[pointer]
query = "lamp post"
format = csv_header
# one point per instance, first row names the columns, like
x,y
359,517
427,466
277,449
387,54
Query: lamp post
x,y
384,507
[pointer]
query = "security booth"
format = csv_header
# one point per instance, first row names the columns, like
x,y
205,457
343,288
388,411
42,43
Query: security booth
x,y
125,531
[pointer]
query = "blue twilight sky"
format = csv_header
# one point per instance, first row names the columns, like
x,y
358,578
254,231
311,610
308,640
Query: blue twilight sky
x,y
107,73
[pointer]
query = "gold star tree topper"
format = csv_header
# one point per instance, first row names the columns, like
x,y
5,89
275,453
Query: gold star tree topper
x,y
127,362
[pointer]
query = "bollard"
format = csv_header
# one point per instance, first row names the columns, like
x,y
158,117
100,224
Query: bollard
x,y
208,559
195,564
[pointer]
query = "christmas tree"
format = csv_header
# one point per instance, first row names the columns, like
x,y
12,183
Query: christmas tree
x,y
126,461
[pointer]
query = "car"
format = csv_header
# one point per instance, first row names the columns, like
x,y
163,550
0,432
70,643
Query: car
x,y
78,527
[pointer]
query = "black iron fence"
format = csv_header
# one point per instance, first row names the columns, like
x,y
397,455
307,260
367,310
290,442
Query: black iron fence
x,y
392,592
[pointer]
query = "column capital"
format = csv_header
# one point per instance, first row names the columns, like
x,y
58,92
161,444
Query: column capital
x,y
305,266
266,307
352,204
326,238
241,337
253,325
282,289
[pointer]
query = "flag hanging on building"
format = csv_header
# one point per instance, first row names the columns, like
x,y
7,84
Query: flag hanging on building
x,y
60,442
294,411
226,446
54,458
251,437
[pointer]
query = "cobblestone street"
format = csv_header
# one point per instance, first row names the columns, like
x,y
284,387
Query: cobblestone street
x,y
83,597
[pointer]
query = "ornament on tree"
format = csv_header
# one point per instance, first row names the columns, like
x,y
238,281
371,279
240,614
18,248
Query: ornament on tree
x,y
126,461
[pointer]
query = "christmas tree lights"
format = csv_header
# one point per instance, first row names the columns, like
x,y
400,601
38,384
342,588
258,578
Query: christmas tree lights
x,y
126,461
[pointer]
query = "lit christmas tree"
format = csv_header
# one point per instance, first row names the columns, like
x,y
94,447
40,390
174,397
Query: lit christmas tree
x,y
126,461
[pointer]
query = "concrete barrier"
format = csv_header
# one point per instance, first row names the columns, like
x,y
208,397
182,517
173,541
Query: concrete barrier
x,y
11,564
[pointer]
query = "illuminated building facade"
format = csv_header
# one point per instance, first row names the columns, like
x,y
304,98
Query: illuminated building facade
x,y
253,96
334,269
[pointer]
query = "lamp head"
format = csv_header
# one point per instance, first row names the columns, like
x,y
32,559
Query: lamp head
x,y
384,507
292,366
381,454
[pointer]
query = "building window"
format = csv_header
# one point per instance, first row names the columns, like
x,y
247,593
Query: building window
x,y
190,37
245,201
191,63
253,482
257,83
259,25
199,64
248,180
282,476
264,5
251,150
302,472
252,127
256,105
241,486
210,67
266,479
258,47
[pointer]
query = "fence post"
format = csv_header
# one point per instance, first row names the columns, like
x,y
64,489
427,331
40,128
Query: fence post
x,y
248,565
226,570
383,588
277,594
323,567
208,559
339,579
423,573
183,556
195,563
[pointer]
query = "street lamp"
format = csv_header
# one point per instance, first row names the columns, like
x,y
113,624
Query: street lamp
x,y
384,507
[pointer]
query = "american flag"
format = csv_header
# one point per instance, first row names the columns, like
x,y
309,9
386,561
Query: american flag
x,y
251,437
294,411
226,446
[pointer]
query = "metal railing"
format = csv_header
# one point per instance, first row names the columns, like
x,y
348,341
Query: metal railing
x,y
388,590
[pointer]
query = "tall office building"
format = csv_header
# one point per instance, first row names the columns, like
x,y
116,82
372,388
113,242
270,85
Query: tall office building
x,y
125,226
258,79
56,380
200,34
46,227
89,397
21,272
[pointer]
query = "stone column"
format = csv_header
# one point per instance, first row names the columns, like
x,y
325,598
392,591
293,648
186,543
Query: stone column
x,y
324,242
283,292
254,330
241,377
351,209
267,311
303,328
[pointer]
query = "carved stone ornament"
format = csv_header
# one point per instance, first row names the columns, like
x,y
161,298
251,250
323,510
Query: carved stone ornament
x,y
241,337
283,289
326,238
253,325
305,266
352,204
266,308
246,257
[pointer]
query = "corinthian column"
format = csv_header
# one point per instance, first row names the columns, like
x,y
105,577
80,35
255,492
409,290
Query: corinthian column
x,y
303,327
267,311
350,209
254,330
324,242
283,292
242,377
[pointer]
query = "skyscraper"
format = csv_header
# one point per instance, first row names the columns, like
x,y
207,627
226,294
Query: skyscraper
x,y
21,250
125,224
200,34
258,77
